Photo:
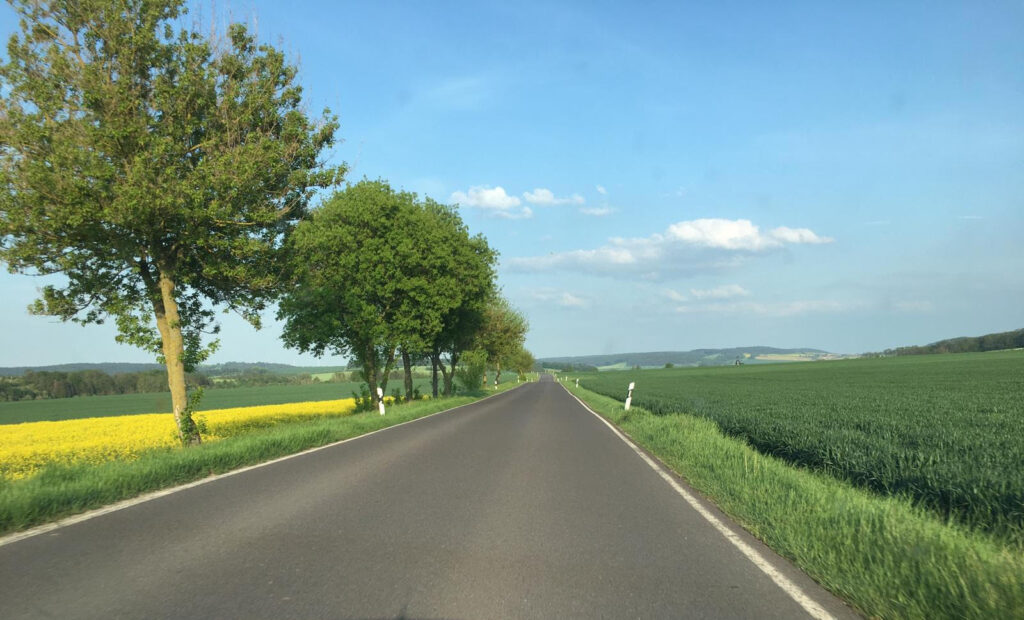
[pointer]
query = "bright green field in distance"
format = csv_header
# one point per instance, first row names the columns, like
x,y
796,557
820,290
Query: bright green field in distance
x,y
213,398
946,431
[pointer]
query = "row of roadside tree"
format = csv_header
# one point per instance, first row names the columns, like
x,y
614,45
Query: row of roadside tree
x,y
166,174
381,276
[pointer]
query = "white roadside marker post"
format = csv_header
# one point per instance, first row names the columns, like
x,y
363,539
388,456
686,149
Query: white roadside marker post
x,y
380,400
629,396
577,382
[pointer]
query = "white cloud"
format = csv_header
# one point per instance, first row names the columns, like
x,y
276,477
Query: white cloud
x,y
675,296
739,234
486,198
562,299
601,190
568,300
726,291
493,200
597,211
685,248
515,214
546,197
797,235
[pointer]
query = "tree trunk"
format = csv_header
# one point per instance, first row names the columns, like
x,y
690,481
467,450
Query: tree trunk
x,y
497,373
389,364
407,366
435,359
370,372
449,376
169,323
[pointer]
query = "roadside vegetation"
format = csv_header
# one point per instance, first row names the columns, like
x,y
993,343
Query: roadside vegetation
x,y
213,398
888,557
63,488
941,431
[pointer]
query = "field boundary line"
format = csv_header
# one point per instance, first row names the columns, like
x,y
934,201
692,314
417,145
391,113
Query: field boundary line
x,y
145,497
794,591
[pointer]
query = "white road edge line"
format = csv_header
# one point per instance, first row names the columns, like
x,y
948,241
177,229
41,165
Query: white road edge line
x,y
139,499
810,605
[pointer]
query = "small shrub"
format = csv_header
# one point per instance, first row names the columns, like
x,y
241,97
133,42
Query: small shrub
x,y
364,402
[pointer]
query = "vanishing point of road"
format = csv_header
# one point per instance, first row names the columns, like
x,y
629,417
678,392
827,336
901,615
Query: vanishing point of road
x,y
523,505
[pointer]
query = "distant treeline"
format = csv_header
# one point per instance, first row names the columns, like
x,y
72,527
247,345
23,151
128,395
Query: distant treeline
x,y
53,384
42,384
976,344
567,367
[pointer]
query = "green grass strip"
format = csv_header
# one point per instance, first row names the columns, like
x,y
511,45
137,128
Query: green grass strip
x,y
883,555
62,490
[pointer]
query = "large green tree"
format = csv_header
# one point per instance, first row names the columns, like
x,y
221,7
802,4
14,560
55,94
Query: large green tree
x,y
464,272
353,266
377,272
155,170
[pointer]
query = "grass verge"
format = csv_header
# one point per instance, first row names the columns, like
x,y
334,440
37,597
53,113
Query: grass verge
x,y
883,555
61,490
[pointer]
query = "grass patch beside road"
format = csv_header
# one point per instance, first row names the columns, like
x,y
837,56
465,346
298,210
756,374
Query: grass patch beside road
x,y
61,490
885,556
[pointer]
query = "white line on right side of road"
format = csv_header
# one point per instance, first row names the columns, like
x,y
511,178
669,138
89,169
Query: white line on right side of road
x,y
810,605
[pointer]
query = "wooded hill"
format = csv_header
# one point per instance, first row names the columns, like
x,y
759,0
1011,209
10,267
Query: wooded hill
x,y
966,344
696,357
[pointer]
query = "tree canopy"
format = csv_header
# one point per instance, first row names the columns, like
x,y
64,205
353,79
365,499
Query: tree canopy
x,y
376,271
156,170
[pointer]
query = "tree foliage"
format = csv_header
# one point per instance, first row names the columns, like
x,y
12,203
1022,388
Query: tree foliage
x,y
350,265
157,171
502,334
377,271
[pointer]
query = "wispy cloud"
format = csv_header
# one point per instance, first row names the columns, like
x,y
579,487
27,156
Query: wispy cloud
x,y
601,190
597,211
726,291
546,198
492,200
675,296
685,248
562,299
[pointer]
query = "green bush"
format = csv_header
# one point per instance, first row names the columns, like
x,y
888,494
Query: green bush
x,y
471,370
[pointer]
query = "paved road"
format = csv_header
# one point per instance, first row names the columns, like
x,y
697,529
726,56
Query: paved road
x,y
522,505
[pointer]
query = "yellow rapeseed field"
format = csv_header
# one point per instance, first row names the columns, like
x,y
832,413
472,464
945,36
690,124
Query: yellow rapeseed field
x,y
25,448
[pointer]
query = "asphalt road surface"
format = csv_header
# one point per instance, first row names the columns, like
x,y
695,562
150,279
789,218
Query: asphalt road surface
x,y
522,505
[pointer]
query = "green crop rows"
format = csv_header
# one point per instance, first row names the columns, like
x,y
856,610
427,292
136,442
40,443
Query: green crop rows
x,y
946,431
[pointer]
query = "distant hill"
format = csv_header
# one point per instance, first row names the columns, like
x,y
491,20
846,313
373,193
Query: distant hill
x,y
225,369
696,357
111,368
966,344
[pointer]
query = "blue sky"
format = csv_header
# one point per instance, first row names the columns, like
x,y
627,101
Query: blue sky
x,y
673,175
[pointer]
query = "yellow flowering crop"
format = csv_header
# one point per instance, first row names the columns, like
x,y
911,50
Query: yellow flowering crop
x,y
25,448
